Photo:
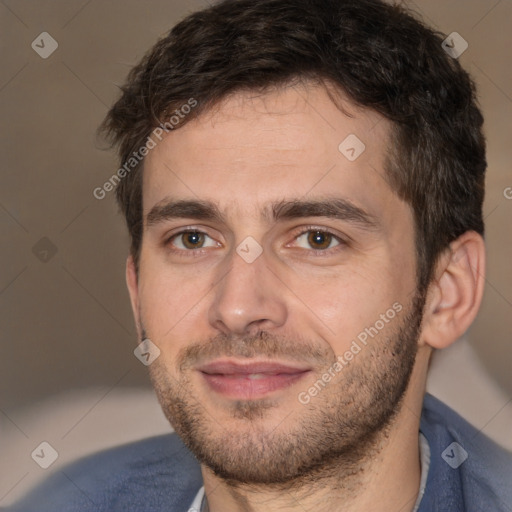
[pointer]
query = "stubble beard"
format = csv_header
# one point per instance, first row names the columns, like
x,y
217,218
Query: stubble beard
x,y
333,436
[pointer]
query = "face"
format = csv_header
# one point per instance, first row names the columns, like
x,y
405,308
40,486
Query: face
x,y
277,278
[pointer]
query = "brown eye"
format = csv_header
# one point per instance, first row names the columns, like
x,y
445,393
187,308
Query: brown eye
x,y
188,240
192,239
319,240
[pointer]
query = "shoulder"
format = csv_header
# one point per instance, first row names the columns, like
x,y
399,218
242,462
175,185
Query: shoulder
x,y
468,471
154,474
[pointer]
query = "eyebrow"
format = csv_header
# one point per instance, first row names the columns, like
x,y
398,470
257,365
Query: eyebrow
x,y
333,208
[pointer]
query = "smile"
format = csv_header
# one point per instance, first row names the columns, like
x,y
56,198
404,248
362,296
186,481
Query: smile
x,y
250,381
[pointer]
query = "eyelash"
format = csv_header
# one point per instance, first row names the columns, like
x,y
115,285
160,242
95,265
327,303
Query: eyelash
x,y
322,252
308,229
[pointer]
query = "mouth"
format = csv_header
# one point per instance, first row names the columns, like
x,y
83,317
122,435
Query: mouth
x,y
250,380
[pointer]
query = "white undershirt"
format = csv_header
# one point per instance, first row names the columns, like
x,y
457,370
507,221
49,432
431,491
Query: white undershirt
x,y
425,464
196,504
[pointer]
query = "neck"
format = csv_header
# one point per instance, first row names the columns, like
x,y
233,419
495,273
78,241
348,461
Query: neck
x,y
386,477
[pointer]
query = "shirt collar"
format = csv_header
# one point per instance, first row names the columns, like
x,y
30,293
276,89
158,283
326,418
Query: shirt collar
x,y
197,504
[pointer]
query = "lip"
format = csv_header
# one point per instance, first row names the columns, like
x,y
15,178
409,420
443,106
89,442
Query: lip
x,y
250,380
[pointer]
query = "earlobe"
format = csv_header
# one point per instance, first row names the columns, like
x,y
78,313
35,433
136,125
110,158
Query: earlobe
x,y
456,291
133,289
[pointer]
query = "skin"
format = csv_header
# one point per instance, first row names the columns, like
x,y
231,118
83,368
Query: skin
x,y
245,154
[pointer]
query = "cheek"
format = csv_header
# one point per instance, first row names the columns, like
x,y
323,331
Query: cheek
x,y
348,300
338,302
170,300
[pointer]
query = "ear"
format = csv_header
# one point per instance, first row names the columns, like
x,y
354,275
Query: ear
x,y
455,294
133,288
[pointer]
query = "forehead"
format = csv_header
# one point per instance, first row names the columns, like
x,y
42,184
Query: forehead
x,y
287,144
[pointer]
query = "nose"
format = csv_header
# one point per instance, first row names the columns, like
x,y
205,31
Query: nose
x,y
248,299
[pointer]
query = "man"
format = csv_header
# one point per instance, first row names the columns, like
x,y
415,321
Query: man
x,y
303,184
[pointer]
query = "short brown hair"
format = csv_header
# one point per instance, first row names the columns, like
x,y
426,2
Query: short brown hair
x,y
380,55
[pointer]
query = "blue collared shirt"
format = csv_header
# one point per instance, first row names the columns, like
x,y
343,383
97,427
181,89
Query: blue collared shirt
x,y
467,473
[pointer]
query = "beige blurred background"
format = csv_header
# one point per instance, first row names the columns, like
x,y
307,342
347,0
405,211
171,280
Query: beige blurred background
x,y
68,375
